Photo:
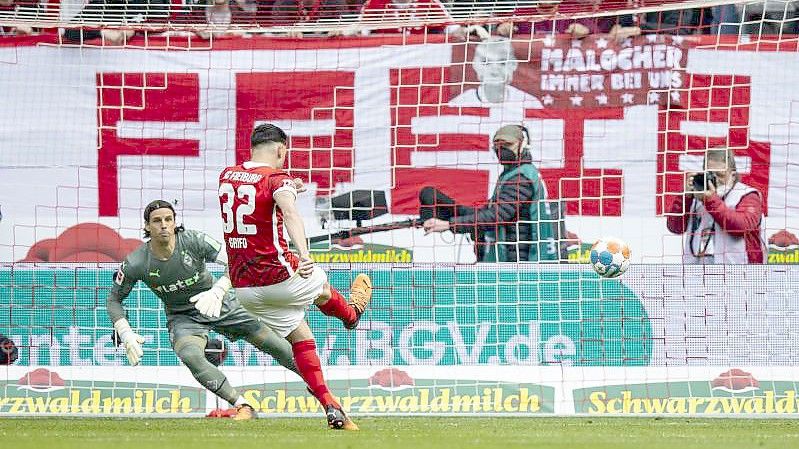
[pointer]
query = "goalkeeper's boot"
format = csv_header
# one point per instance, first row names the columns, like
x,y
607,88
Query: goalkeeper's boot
x,y
338,420
360,297
244,412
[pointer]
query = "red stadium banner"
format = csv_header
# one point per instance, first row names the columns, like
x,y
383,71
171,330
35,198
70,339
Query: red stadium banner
x,y
595,71
613,124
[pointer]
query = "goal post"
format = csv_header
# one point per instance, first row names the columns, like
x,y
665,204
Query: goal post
x,y
121,108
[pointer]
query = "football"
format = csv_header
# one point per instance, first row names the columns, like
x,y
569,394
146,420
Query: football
x,y
610,257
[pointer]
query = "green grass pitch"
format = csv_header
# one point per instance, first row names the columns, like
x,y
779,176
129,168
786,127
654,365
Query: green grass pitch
x,y
404,433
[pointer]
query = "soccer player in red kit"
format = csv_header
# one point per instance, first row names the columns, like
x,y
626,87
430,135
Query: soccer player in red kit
x,y
273,283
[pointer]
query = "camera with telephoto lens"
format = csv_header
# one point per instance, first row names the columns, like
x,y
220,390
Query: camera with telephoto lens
x,y
8,351
701,181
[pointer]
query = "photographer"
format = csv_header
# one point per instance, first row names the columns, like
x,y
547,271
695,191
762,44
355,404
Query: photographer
x,y
721,217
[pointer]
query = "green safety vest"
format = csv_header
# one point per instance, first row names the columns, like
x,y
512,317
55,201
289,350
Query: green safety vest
x,y
546,224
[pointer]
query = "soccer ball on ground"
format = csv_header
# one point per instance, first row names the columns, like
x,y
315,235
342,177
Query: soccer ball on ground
x,y
610,257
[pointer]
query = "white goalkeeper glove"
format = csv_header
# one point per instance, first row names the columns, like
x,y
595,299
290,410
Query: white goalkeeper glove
x,y
131,340
209,302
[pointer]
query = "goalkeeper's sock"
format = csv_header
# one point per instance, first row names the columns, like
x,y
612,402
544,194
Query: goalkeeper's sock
x,y
240,401
337,307
311,371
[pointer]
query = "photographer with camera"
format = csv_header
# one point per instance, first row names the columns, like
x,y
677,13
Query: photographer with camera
x,y
721,217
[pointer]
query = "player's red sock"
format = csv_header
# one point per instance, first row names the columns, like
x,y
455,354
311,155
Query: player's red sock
x,y
310,369
337,307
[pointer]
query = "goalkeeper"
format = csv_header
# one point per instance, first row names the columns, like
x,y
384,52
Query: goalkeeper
x,y
172,264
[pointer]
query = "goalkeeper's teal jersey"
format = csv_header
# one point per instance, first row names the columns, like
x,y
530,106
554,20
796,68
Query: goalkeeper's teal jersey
x,y
174,280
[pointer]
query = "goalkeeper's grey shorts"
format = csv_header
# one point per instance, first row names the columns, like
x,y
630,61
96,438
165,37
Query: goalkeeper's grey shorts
x,y
235,324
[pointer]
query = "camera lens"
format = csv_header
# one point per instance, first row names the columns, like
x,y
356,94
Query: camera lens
x,y
698,181
711,178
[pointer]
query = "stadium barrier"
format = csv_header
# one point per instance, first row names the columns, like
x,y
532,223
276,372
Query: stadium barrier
x,y
542,339
97,122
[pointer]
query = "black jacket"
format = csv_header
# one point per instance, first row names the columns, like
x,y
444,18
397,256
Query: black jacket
x,y
508,208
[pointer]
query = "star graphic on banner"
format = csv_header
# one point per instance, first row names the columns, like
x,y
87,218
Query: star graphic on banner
x,y
675,95
577,43
653,97
652,38
627,98
627,42
677,40
601,99
549,40
547,99
577,100
601,43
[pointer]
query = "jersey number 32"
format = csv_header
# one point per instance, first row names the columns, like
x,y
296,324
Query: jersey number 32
x,y
234,219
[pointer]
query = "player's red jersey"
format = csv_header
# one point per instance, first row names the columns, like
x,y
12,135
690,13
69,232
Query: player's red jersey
x,y
255,237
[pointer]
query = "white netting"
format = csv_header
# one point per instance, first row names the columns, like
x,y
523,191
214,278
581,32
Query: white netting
x,y
619,103
321,15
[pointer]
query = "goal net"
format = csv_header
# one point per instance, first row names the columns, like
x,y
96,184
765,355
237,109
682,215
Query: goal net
x,y
392,108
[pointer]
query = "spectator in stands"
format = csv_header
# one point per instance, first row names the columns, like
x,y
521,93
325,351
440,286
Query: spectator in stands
x,y
298,11
407,10
218,13
770,17
244,11
725,19
288,12
721,217
116,13
28,9
518,224
227,12
222,13
675,21
619,27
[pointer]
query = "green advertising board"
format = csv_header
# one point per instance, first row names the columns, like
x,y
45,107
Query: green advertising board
x,y
483,314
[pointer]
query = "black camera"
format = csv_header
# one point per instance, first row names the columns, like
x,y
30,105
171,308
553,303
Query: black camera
x,y
8,351
701,181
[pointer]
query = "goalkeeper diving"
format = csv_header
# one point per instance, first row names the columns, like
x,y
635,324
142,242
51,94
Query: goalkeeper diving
x,y
172,263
